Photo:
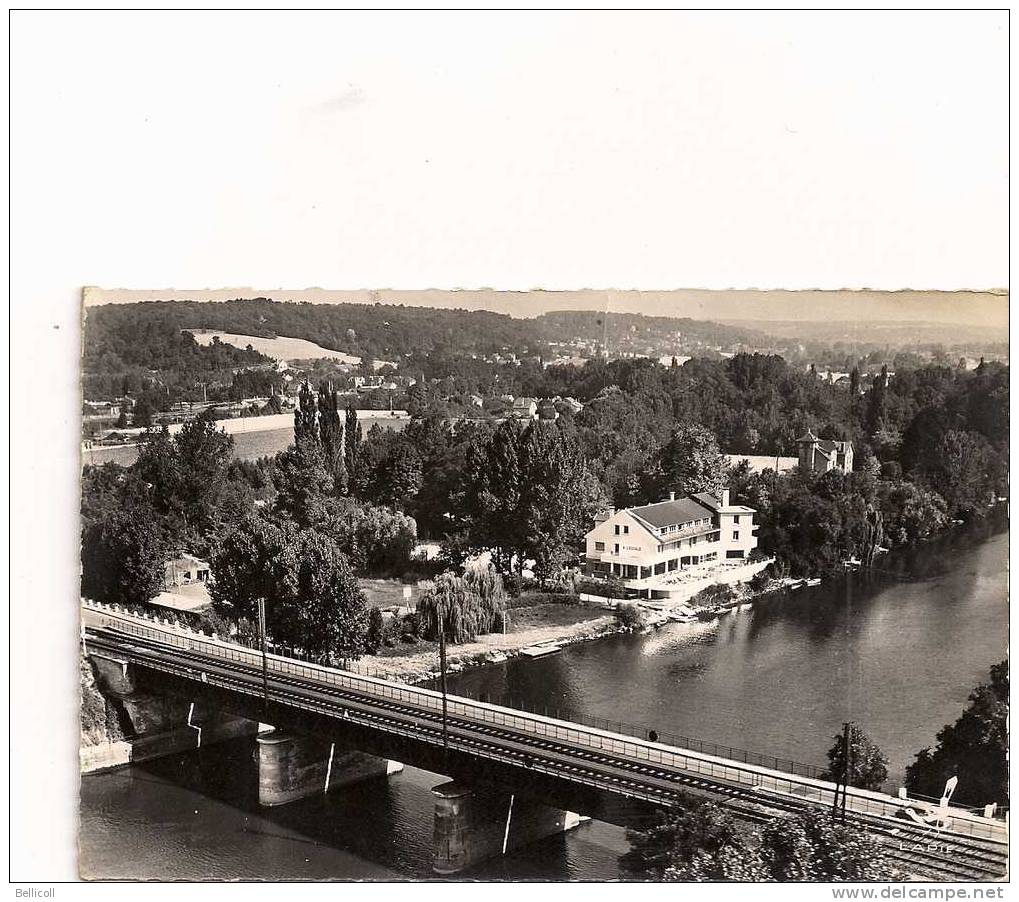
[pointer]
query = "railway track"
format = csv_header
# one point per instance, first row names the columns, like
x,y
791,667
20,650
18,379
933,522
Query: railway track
x,y
945,857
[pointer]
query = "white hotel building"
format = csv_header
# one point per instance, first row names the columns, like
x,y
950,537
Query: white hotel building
x,y
645,546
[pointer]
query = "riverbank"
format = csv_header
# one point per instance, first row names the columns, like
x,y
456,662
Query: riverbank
x,y
559,623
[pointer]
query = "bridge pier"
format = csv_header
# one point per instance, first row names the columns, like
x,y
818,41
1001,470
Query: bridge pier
x,y
148,725
292,767
472,824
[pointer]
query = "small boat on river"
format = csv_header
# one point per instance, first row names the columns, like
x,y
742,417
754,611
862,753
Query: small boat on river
x,y
541,649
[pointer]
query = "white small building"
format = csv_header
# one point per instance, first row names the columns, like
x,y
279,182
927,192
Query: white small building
x,y
642,545
524,409
185,570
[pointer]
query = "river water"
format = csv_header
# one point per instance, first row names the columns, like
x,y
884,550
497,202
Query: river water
x,y
898,651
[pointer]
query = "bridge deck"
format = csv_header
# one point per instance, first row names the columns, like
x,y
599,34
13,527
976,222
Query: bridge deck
x,y
624,765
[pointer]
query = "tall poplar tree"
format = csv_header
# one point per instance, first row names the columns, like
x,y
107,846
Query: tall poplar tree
x,y
351,441
331,435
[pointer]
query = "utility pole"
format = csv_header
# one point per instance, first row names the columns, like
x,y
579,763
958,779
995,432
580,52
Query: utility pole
x,y
265,662
843,784
441,611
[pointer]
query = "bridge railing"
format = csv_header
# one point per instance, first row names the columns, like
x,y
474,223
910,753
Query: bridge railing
x,y
712,761
676,740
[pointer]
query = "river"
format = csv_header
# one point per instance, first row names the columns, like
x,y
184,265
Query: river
x,y
897,650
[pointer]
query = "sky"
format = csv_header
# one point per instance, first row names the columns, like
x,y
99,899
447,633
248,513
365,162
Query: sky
x,y
964,307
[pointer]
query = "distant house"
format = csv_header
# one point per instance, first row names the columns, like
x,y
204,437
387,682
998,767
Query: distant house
x,y
100,410
640,545
547,410
524,409
184,570
820,455
477,400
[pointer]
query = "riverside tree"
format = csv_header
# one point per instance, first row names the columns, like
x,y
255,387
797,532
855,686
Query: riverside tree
x,y
122,556
974,749
468,605
187,474
529,495
868,764
312,599
704,844
387,469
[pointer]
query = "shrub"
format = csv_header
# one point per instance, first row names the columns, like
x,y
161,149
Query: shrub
x,y
373,635
536,599
712,595
412,623
564,583
514,584
391,631
607,589
629,615
210,622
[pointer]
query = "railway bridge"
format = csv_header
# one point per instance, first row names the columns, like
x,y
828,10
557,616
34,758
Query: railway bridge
x,y
515,776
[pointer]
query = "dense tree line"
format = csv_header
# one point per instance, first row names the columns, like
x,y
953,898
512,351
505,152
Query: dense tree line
x,y
931,445
129,349
391,331
705,844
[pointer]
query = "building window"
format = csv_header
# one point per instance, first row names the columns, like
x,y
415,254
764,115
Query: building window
x,y
626,530
735,535
732,554
659,568
673,564
735,519
599,546
617,529
616,548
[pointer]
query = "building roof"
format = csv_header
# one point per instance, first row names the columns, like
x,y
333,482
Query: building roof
x,y
671,513
524,402
189,560
825,445
708,500
830,447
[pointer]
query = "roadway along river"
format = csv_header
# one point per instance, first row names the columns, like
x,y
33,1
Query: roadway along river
x,y
897,651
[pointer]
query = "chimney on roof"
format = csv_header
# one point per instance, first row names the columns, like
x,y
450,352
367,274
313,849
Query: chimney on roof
x,y
725,497
672,496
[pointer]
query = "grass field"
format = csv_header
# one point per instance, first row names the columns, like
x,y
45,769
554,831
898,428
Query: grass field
x,y
281,348
388,593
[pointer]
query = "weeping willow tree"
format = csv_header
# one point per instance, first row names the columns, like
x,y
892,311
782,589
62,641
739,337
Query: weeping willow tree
x,y
469,605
